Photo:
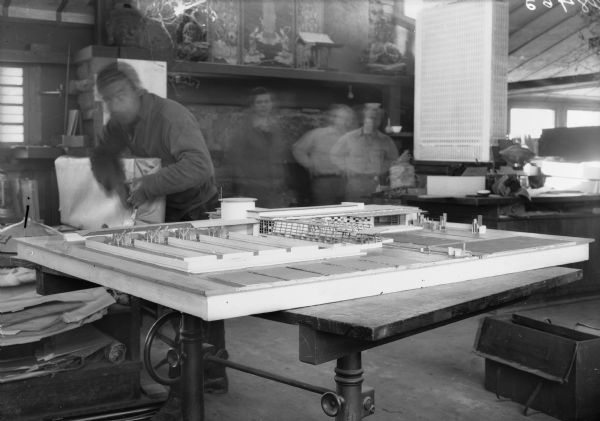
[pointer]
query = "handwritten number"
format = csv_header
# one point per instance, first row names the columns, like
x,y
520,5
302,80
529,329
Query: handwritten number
x,y
547,3
530,4
584,7
563,3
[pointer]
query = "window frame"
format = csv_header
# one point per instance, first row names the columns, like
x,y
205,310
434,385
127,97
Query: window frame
x,y
23,104
32,105
575,108
538,106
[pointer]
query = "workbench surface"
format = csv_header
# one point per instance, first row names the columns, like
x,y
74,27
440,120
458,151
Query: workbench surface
x,y
414,260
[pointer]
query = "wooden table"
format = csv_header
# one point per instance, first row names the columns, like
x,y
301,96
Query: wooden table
x,y
343,329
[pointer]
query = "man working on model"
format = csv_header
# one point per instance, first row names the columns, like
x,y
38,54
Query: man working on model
x,y
151,126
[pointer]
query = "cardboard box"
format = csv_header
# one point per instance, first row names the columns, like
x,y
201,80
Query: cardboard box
x,y
449,186
546,367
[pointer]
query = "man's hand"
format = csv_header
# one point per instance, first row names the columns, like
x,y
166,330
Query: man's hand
x,y
107,170
137,196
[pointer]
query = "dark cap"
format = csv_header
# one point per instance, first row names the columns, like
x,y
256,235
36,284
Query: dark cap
x,y
117,70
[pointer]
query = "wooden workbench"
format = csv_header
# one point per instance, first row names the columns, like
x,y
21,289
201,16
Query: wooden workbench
x,y
341,331
455,288
568,214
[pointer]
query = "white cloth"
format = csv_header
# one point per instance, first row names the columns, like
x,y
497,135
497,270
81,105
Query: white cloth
x,y
85,204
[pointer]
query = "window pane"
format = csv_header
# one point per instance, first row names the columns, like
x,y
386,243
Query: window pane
x,y
12,137
12,110
14,99
11,71
530,121
11,128
582,118
10,91
11,80
11,118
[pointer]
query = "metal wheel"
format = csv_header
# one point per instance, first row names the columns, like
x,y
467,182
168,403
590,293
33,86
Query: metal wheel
x,y
162,349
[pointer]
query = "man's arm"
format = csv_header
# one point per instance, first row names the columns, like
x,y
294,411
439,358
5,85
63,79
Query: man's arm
x,y
106,166
192,166
302,150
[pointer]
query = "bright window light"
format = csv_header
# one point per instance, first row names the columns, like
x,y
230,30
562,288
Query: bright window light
x,y
583,118
530,121
12,128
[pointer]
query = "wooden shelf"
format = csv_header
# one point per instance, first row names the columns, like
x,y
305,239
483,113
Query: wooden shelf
x,y
228,70
36,57
36,152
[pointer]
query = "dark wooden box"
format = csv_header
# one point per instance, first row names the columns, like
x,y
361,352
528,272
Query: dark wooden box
x,y
94,384
546,367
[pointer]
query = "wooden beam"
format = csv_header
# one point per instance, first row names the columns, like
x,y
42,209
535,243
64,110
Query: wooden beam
x,y
37,57
554,84
557,37
537,28
216,69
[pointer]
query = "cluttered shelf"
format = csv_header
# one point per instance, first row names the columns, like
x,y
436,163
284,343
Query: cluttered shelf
x,y
227,70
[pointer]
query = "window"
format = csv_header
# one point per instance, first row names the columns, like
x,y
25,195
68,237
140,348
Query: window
x,y
530,121
582,118
12,116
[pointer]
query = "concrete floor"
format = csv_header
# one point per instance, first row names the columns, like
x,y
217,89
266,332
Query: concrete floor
x,y
431,376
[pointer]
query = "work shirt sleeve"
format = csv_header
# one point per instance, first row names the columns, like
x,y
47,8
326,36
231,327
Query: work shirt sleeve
x,y
339,152
302,150
391,153
192,162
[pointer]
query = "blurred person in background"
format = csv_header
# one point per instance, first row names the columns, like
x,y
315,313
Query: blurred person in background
x,y
313,152
364,155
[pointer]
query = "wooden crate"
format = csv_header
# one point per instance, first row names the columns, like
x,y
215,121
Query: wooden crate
x,y
546,367
95,384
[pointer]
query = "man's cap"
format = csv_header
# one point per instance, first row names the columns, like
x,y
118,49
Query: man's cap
x,y
117,70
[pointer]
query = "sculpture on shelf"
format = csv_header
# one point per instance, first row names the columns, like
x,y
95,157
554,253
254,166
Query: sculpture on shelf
x,y
269,42
191,40
125,25
382,55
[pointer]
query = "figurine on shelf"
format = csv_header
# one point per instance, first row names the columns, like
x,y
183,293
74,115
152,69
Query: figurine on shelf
x,y
191,40
125,25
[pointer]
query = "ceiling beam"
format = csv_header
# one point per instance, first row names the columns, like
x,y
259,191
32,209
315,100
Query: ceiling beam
x,y
558,39
527,34
554,84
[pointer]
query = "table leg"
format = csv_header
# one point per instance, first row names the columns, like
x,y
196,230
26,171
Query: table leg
x,y
348,378
192,369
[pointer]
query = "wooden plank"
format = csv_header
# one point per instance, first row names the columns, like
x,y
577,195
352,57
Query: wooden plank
x,y
538,27
352,265
242,278
501,245
221,251
258,249
552,38
319,268
408,312
169,249
291,244
187,264
284,273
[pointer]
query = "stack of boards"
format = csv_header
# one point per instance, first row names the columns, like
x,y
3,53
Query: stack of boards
x,y
211,254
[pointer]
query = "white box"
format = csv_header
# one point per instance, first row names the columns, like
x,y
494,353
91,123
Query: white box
x,y
84,204
461,62
448,186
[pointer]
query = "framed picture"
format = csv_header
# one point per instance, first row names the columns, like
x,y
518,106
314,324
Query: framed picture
x,y
225,31
268,33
